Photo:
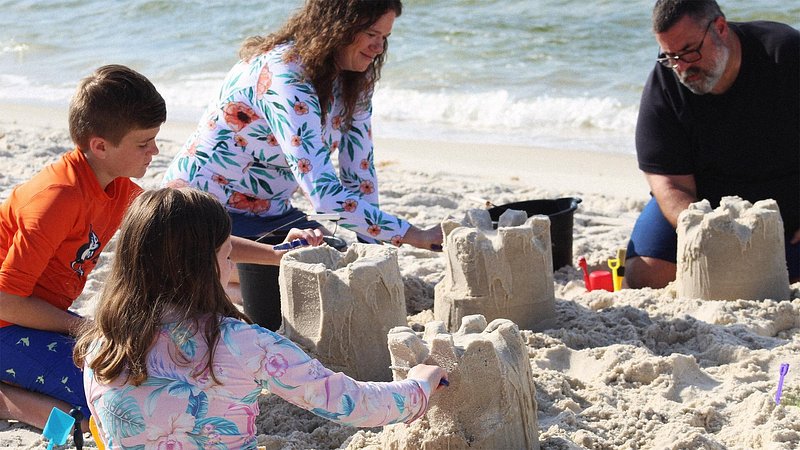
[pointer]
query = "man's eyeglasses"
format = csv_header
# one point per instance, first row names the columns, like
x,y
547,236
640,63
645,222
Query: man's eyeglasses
x,y
689,56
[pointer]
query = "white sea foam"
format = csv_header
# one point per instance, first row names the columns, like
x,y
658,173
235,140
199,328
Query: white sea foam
x,y
13,47
21,89
603,124
599,124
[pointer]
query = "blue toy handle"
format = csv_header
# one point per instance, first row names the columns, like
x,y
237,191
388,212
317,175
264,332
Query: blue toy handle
x,y
290,245
77,433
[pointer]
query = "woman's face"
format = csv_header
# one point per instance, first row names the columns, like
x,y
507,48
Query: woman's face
x,y
224,262
368,44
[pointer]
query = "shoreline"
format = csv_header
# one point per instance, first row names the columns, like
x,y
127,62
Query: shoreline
x,y
556,170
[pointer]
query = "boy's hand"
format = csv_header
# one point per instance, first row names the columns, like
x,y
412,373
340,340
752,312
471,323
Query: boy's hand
x,y
312,235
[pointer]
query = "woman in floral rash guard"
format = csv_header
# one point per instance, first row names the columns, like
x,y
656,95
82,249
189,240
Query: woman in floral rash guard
x,y
170,362
296,97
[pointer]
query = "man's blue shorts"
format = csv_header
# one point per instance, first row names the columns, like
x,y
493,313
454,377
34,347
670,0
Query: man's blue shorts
x,y
41,361
654,237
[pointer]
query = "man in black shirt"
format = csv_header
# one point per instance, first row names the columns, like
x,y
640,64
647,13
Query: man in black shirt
x,y
719,116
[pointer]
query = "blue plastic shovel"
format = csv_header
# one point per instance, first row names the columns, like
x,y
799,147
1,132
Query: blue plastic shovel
x,y
58,427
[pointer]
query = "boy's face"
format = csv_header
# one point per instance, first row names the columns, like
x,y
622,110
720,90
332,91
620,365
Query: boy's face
x,y
131,157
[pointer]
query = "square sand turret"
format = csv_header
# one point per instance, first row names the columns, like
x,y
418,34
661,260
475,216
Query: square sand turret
x,y
499,273
340,306
491,400
733,252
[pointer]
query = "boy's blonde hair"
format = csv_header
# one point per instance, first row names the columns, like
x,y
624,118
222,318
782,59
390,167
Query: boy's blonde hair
x,y
111,102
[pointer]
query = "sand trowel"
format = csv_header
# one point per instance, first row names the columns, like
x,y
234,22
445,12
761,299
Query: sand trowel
x,y
617,266
58,427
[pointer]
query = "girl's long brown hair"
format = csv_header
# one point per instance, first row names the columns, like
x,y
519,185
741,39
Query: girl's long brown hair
x,y
165,261
318,30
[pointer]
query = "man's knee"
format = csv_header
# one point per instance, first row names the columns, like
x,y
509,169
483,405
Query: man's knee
x,y
643,271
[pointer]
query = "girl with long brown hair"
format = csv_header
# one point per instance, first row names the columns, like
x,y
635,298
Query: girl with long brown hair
x,y
170,360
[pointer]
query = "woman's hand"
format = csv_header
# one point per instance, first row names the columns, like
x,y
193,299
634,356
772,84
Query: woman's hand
x,y
433,375
430,239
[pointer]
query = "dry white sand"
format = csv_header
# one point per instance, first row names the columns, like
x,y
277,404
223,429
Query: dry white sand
x,y
632,369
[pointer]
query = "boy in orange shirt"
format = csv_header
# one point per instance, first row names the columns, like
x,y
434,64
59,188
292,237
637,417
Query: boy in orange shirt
x,y
53,228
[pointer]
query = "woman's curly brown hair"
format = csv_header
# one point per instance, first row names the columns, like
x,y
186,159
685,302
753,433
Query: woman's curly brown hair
x,y
318,31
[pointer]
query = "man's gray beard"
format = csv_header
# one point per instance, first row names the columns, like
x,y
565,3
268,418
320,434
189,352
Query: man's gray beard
x,y
709,80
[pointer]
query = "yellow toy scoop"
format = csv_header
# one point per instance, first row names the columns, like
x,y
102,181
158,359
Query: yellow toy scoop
x,y
617,266
96,434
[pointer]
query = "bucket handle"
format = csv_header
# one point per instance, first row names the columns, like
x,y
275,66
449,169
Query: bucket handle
x,y
574,202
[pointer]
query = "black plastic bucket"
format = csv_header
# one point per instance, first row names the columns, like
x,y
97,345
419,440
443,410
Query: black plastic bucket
x,y
261,294
561,212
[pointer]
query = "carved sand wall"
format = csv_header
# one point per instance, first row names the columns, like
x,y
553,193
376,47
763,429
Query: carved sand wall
x,y
735,251
498,273
491,400
340,306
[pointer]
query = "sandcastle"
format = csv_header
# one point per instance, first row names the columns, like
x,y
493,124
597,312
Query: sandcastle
x,y
491,400
504,273
340,306
733,252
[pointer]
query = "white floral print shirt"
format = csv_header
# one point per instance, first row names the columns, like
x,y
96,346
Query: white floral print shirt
x,y
263,138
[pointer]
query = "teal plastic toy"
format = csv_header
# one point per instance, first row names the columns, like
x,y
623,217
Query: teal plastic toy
x,y
58,427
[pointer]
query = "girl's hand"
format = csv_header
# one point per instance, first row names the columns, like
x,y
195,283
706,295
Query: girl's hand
x,y
433,375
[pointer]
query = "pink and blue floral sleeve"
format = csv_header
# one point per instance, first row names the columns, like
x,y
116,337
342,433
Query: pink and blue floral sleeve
x,y
280,366
292,109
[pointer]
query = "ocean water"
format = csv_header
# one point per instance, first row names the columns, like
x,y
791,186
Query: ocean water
x,y
552,73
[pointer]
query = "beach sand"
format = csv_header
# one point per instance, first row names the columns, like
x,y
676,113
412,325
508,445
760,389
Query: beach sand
x,y
631,369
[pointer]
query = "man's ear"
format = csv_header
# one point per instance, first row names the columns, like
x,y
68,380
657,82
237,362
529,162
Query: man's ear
x,y
721,26
98,147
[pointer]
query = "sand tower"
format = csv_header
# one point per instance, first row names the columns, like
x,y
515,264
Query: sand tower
x,y
340,306
733,252
499,273
491,400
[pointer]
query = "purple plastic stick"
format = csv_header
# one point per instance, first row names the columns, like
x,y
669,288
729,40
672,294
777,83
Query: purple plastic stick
x,y
290,245
784,371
